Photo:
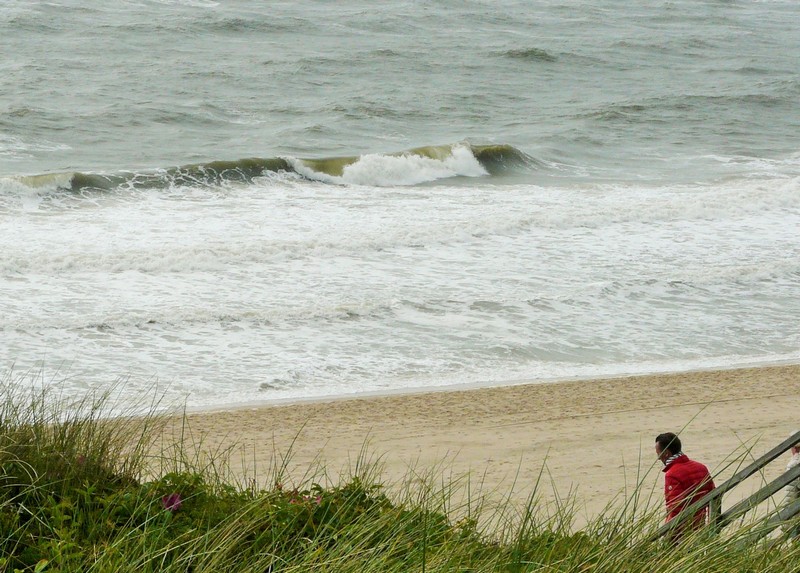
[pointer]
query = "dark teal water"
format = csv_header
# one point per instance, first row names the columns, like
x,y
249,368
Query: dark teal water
x,y
603,90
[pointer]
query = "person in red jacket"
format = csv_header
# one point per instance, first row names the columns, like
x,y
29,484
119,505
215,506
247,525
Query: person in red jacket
x,y
685,481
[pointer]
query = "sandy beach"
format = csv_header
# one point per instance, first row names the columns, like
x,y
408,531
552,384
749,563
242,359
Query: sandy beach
x,y
594,438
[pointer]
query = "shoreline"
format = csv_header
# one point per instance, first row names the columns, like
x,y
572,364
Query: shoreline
x,y
592,440
472,386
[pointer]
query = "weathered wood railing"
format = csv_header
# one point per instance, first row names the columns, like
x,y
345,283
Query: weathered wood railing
x,y
713,499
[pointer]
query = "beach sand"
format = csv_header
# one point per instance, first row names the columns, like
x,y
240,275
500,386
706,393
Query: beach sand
x,y
593,438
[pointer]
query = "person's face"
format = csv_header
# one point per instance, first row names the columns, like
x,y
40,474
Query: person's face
x,y
661,454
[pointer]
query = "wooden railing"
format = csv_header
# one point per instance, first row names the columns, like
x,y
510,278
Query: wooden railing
x,y
713,499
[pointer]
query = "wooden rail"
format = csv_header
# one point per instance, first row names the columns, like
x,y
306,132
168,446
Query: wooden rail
x,y
781,517
764,493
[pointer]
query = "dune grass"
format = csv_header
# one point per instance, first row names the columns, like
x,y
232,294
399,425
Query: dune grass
x,y
82,491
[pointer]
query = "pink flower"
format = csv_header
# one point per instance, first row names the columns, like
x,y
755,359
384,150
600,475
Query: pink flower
x,y
171,502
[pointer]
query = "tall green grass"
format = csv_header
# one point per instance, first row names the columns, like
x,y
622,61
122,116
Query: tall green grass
x,y
84,490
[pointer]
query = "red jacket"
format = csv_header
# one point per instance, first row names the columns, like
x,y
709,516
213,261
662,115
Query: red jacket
x,y
686,481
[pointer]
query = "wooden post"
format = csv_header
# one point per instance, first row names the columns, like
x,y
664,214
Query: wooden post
x,y
714,511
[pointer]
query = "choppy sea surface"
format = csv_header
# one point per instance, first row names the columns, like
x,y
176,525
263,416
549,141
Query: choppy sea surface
x,y
250,201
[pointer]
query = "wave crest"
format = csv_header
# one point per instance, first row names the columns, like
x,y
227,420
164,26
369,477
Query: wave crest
x,y
531,54
409,167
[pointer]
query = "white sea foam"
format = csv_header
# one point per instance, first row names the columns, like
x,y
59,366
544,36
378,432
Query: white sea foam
x,y
286,288
400,170
386,170
97,238
16,147
759,167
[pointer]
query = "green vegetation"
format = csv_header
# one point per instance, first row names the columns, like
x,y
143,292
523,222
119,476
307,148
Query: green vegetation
x,y
74,497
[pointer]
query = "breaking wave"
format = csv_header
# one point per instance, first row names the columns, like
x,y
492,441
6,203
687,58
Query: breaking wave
x,y
409,167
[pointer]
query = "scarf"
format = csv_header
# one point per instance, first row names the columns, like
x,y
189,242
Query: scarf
x,y
671,459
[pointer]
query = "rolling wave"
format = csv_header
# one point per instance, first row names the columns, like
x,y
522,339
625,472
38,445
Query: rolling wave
x,y
409,167
530,54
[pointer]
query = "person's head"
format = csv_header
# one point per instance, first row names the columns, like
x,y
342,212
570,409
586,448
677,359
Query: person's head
x,y
796,447
667,444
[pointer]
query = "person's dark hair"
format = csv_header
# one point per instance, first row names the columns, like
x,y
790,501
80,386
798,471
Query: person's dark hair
x,y
670,442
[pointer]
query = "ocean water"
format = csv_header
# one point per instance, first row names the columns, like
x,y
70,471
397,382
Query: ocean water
x,y
244,201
